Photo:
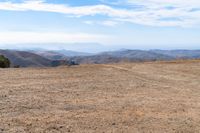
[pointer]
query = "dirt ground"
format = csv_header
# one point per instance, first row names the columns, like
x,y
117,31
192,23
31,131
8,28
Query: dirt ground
x,y
159,97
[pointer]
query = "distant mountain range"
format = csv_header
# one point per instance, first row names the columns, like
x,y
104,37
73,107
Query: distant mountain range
x,y
137,56
180,54
58,54
42,58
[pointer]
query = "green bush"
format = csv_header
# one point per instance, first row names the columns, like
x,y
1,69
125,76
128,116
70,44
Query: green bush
x,y
4,62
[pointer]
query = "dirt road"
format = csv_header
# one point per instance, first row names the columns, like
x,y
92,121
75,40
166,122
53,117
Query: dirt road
x,y
154,97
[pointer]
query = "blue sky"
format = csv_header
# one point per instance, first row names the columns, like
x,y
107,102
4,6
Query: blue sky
x,y
136,24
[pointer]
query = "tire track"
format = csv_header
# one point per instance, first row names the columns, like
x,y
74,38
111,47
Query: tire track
x,y
142,78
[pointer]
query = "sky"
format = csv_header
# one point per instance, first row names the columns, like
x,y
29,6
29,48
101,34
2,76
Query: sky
x,y
114,24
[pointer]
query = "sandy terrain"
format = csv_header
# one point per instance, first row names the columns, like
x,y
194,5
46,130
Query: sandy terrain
x,y
137,98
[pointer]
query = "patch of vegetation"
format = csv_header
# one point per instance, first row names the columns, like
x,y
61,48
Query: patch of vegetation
x,y
56,63
4,62
72,63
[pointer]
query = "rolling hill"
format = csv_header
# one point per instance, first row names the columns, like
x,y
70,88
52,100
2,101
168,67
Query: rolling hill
x,y
62,57
25,59
180,54
127,55
29,59
70,53
122,56
52,55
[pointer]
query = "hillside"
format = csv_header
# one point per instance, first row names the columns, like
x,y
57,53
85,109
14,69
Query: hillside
x,y
25,59
157,97
180,54
122,56
46,58
51,55
70,53
58,54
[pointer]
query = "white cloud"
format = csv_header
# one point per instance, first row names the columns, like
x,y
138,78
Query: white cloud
x,y
109,23
48,37
182,13
167,2
89,22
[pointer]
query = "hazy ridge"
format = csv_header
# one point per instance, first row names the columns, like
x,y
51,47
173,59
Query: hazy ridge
x,y
41,58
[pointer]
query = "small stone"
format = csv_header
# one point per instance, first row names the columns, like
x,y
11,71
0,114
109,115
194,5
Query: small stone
x,y
113,124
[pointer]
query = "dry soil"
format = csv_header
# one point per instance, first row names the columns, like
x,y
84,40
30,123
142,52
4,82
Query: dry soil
x,y
159,97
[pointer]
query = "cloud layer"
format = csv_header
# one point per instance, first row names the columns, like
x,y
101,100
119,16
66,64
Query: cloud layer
x,y
182,13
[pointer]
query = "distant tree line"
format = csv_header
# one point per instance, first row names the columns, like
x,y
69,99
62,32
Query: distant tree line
x,y
4,62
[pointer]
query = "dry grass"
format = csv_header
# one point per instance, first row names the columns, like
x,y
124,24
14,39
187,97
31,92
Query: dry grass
x,y
139,97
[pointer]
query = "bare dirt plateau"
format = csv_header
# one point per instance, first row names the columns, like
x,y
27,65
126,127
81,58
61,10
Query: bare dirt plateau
x,y
154,97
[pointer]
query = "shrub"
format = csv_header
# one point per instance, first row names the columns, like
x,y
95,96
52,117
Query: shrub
x,y
16,66
56,63
72,63
4,62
